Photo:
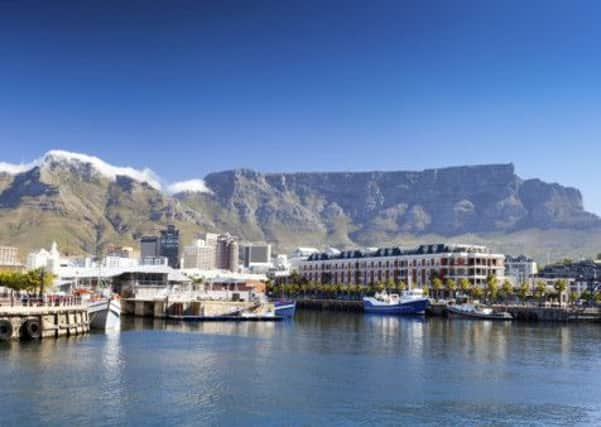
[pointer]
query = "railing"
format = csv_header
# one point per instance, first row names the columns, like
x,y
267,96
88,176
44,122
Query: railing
x,y
46,301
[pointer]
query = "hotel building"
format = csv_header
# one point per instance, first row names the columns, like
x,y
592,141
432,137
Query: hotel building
x,y
416,266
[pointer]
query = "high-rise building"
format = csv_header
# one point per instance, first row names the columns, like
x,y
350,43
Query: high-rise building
x,y
149,247
226,252
255,253
169,245
200,255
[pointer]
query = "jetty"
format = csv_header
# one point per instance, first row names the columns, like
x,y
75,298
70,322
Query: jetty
x,y
37,322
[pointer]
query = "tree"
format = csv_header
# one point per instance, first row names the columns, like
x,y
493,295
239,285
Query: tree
x,y
451,287
389,284
426,291
492,285
540,290
437,286
560,286
523,291
402,286
507,289
477,293
465,286
574,297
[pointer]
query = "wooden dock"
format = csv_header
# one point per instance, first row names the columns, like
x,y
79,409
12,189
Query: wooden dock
x,y
22,322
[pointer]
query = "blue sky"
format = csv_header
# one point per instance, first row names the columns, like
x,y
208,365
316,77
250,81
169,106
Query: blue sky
x,y
190,87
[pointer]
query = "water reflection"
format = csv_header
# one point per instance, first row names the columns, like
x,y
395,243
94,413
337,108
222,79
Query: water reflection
x,y
318,368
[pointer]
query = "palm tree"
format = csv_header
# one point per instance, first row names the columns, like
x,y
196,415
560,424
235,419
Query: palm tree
x,y
465,286
437,286
560,286
402,286
540,291
574,297
492,284
477,293
507,289
523,291
451,287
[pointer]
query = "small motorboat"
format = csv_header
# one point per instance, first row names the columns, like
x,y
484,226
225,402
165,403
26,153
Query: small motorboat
x,y
470,311
409,302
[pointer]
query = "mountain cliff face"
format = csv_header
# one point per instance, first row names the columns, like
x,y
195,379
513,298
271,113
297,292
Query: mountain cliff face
x,y
85,204
367,207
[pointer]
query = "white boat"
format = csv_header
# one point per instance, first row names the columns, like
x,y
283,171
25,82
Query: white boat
x,y
105,313
469,311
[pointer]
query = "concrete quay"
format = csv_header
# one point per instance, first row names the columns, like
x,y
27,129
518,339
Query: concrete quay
x,y
163,308
23,322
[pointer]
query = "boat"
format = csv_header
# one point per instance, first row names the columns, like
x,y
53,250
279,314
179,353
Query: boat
x,y
104,312
241,317
285,308
409,302
470,311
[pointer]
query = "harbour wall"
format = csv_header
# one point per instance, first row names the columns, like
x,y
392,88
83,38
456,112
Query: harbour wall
x,y
164,308
519,312
43,322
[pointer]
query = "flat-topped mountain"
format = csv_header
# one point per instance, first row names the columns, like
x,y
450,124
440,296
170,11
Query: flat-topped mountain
x,y
85,203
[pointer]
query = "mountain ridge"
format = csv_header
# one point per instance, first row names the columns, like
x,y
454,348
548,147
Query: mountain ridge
x,y
86,203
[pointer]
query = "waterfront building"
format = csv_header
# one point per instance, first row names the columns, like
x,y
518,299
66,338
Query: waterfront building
x,y
519,269
581,275
169,245
255,253
416,266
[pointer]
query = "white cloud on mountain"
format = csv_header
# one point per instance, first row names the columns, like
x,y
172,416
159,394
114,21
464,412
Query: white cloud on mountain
x,y
141,175
191,186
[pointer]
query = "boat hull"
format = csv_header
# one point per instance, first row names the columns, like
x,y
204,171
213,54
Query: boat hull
x,y
285,309
478,316
105,314
404,308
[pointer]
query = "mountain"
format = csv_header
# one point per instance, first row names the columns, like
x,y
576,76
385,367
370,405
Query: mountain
x,y
85,204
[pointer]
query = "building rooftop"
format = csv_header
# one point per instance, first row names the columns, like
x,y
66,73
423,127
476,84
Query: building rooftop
x,y
398,251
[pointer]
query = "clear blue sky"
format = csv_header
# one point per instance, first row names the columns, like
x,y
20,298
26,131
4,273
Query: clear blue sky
x,y
190,87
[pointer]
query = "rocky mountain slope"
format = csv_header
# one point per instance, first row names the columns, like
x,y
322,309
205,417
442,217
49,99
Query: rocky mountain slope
x,y
85,204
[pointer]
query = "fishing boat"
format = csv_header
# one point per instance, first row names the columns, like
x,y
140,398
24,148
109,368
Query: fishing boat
x,y
285,308
105,313
470,311
409,302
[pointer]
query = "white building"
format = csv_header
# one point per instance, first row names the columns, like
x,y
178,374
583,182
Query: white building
x,y
520,269
49,260
415,267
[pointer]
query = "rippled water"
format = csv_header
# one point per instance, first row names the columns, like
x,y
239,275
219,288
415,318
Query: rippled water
x,y
321,369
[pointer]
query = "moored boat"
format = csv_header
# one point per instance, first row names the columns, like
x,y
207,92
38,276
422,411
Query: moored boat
x,y
409,302
285,308
105,313
469,311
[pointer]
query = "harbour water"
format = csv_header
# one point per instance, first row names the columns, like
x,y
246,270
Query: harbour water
x,y
321,369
